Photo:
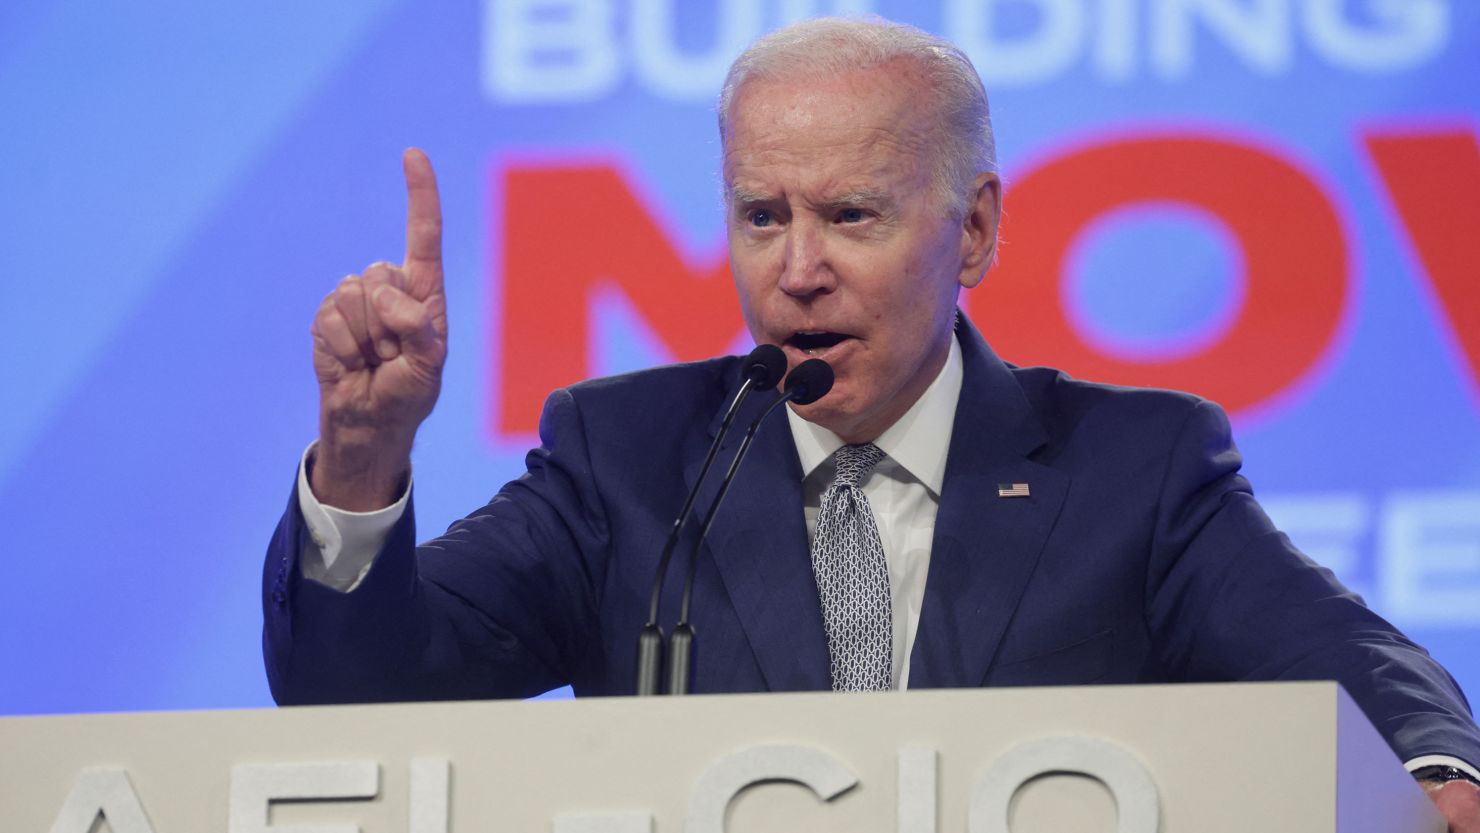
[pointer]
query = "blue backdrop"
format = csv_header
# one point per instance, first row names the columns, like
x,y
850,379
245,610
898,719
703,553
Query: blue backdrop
x,y
1286,193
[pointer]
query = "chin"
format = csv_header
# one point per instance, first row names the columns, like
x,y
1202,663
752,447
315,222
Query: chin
x,y
820,412
831,412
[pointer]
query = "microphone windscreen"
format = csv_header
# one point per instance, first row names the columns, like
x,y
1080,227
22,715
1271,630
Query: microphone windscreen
x,y
811,381
765,366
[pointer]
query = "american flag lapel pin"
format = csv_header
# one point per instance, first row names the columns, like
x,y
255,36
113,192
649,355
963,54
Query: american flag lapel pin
x,y
1012,490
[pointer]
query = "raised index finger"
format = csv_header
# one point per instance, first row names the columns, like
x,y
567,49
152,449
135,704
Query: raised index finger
x,y
423,264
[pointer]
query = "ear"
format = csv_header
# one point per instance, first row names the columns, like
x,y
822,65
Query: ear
x,y
979,229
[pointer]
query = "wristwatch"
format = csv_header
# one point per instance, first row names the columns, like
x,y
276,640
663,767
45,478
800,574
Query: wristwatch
x,y
1442,773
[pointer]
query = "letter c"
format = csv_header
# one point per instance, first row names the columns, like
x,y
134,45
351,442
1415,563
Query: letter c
x,y
726,778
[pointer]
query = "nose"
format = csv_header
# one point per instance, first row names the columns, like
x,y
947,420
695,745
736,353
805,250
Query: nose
x,y
806,270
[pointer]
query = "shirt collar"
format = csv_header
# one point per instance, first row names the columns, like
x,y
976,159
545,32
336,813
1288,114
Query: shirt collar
x,y
918,441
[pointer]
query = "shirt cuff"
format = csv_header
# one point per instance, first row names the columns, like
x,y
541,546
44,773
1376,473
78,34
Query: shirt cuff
x,y
341,545
1442,760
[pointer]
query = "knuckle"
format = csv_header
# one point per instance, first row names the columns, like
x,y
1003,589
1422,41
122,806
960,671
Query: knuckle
x,y
350,307
426,227
390,275
334,337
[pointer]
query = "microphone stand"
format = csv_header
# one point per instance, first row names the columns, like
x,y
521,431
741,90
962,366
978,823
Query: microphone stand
x,y
763,366
810,381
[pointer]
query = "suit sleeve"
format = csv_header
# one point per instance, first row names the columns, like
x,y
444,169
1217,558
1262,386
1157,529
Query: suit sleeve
x,y
1231,598
501,605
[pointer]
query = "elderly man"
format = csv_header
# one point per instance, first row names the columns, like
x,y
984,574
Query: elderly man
x,y
939,518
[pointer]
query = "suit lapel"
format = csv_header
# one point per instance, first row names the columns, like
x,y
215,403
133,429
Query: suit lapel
x,y
985,546
984,551
759,544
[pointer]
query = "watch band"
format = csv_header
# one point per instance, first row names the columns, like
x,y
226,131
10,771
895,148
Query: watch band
x,y
1442,773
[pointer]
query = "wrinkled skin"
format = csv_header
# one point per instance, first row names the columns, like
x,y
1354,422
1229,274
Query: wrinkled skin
x,y
840,245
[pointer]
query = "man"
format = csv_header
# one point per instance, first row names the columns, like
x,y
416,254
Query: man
x,y
938,519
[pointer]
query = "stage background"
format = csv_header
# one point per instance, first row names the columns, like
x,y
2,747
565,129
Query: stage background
x,y
1275,203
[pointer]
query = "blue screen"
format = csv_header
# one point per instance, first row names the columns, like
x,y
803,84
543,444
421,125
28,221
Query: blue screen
x,y
1272,204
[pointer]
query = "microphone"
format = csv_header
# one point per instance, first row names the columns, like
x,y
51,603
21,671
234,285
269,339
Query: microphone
x,y
811,381
761,370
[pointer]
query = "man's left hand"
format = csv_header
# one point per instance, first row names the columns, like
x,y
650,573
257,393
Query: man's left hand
x,y
1458,801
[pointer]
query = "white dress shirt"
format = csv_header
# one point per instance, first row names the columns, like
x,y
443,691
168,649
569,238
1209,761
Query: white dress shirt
x,y
341,545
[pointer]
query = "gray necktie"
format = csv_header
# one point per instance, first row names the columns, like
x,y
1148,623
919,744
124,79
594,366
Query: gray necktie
x,y
853,578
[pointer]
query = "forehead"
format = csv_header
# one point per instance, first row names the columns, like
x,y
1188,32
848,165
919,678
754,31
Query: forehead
x,y
867,125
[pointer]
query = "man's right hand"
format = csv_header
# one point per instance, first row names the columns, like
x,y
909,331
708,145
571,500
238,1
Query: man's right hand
x,y
379,344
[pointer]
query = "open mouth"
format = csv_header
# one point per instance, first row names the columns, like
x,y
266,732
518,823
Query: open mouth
x,y
816,342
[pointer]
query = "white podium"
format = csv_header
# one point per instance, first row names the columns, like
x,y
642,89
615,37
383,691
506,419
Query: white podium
x,y
1271,758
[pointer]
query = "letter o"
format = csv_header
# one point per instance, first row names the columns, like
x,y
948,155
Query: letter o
x,y
1292,241
1136,799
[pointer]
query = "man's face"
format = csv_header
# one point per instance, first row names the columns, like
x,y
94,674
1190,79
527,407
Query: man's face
x,y
839,244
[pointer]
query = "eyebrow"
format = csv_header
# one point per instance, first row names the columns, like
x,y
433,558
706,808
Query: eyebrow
x,y
862,197
740,195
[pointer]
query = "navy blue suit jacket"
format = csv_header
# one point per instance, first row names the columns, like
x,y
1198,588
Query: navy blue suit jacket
x,y
1140,556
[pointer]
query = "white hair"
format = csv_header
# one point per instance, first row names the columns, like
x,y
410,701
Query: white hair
x,y
952,90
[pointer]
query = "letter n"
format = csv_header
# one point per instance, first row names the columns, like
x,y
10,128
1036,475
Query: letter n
x,y
567,230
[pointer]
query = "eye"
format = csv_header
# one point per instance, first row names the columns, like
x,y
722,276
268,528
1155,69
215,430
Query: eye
x,y
851,215
760,218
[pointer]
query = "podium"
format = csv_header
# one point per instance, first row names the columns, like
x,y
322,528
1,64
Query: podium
x,y
1225,758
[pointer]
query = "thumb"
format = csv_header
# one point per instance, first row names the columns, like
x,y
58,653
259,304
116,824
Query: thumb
x,y
407,317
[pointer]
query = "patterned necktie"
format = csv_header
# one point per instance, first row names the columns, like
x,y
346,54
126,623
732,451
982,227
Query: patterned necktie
x,y
853,578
